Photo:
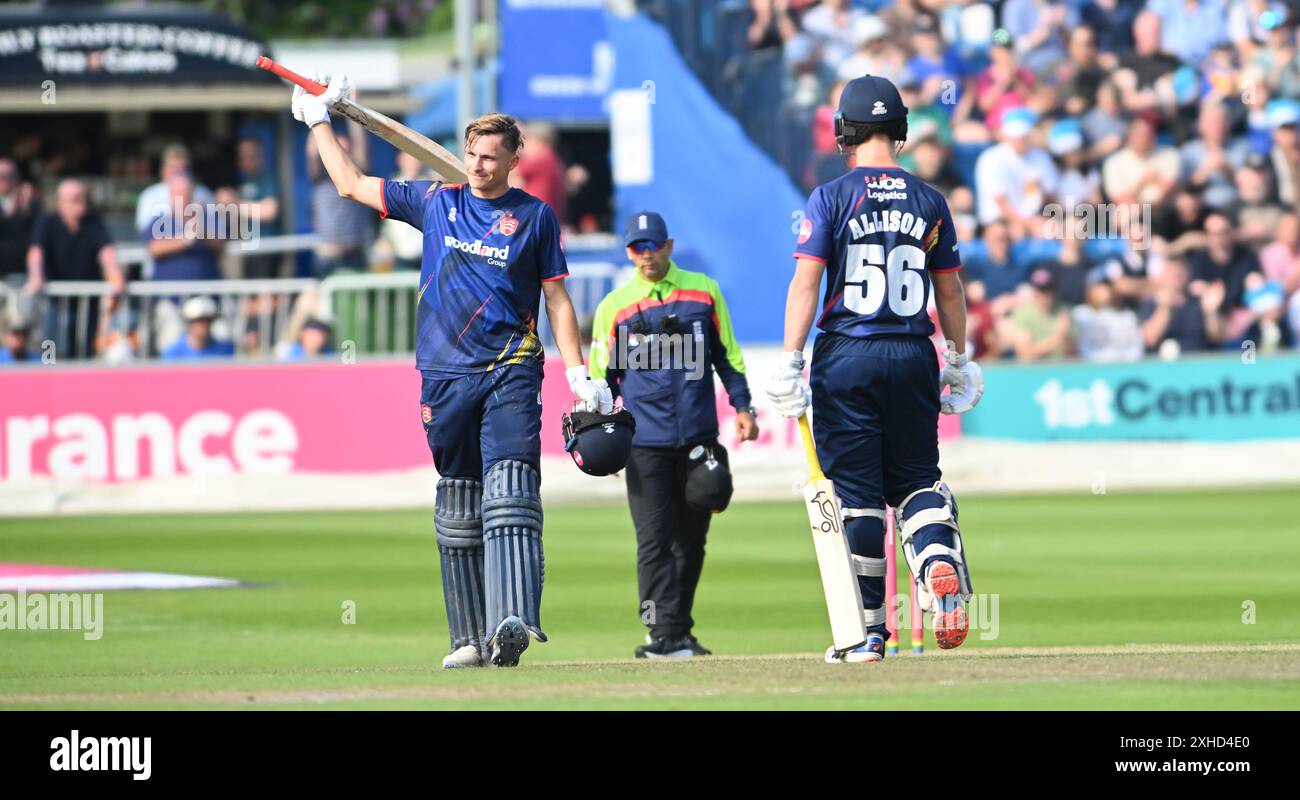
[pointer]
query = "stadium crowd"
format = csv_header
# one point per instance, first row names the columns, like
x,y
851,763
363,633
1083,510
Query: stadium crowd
x,y
1124,175
51,240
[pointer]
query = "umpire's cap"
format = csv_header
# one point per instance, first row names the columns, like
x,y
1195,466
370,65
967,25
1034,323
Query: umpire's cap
x,y
646,226
600,444
867,102
708,478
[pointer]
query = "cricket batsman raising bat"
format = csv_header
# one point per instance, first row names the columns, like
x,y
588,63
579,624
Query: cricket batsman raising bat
x,y
490,253
886,243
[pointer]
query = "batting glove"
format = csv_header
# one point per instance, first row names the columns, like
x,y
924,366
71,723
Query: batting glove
x,y
311,109
788,388
965,382
594,395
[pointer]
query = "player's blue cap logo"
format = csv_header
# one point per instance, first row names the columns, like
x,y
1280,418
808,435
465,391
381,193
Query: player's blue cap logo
x,y
646,226
871,98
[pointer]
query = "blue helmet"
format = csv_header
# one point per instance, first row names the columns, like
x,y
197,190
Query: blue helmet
x,y
869,104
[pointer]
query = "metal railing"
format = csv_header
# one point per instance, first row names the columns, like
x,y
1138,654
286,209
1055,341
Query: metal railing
x,y
374,312
82,320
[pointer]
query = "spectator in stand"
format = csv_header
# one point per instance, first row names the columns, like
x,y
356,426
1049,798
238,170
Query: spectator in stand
x,y
198,342
932,165
259,197
1035,329
772,26
1279,261
995,268
14,346
18,215
924,121
1104,331
1191,28
1014,178
831,25
1257,214
1224,261
1070,268
1078,181
1265,302
1284,154
1082,74
313,341
1104,125
1180,226
178,254
541,170
1175,322
156,199
1251,23
1210,161
937,67
1113,22
1140,70
1276,62
1003,85
74,245
1039,28
981,324
346,228
1142,172
874,53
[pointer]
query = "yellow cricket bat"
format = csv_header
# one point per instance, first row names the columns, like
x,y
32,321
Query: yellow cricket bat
x,y
834,559
429,152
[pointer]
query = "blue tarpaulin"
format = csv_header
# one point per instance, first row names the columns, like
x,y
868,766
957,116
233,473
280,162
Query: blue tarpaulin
x,y
731,209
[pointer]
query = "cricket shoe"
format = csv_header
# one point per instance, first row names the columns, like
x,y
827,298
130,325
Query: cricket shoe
x,y
508,642
697,648
950,623
463,657
873,650
679,647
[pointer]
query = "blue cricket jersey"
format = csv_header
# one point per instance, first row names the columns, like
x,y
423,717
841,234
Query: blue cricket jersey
x,y
481,274
880,231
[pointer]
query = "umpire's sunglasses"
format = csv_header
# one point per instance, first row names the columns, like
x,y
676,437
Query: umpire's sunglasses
x,y
647,246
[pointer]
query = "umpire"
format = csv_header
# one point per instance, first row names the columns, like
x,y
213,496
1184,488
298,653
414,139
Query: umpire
x,y
657,339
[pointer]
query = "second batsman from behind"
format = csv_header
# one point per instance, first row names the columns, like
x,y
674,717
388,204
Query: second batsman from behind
x,y
490,253
884,239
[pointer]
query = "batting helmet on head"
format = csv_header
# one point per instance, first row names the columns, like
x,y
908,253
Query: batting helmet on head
x,y
867,105
600,444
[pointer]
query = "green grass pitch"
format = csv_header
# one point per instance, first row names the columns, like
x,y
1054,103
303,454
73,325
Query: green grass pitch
x,y
1173,600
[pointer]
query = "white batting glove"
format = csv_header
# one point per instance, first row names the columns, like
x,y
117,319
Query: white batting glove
x,y
788,388
311,109
593,395
965,381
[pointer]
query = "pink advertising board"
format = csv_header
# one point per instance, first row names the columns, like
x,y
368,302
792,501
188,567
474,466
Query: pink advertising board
x,y
130,423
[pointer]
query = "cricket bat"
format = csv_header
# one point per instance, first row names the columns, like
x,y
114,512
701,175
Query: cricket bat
x,y
390,130
834,559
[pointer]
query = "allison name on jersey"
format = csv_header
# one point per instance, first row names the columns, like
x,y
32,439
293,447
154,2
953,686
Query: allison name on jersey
x,y
880,231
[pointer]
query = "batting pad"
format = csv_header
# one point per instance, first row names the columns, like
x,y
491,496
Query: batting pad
x,y
512,538
459,523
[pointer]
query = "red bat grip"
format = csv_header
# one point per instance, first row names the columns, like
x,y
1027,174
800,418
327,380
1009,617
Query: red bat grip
x,y
289,75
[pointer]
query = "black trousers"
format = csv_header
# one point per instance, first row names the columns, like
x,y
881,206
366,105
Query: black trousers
x,y
669,539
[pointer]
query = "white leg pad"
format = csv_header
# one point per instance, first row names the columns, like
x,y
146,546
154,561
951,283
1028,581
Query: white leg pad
x,y
915,560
